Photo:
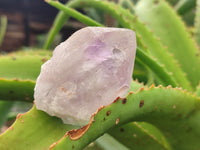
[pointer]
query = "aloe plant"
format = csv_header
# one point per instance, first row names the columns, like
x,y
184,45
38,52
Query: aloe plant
x,y
163,112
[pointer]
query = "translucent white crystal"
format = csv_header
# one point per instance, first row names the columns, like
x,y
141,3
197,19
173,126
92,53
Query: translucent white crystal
x,y
90,69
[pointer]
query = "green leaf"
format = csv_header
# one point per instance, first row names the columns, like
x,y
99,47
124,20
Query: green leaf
x,y
3,26
75,14
18,72
136,135
93,146
34,130
128,4
38,124
159,70
59,21
140,72
140,135
198,90
16,67
197,23
173,2
173,34
183,6
107,142
172,111
4,110
22,64
16,90
135,86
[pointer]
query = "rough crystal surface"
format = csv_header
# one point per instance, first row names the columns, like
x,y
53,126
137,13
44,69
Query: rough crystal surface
x,y
90,69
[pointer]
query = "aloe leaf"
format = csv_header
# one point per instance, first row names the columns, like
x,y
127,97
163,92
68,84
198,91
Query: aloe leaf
x,y
95,14
143,134
188,19
35,124
197,23
172,2
172,33
16,67
3,26
4,110
107,142
128,4
22,65
136,135
75,14
183,6
159,70
127,20
198,90
173,111
140,72
93,146
18,72
38,124
56,27
28,64
37,130
59,21
17,90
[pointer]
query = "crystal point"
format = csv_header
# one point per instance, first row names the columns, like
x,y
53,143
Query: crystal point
x,y
90,69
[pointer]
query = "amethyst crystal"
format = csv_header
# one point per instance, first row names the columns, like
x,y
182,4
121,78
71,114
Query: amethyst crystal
x,y
90,69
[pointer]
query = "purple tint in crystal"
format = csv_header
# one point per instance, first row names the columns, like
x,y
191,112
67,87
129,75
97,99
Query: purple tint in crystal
x,y
90,69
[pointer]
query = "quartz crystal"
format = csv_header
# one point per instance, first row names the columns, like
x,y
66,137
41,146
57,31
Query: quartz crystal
x,y
90,69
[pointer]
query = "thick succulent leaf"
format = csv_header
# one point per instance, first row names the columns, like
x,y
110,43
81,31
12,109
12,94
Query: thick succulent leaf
x,y
22,64
4,110
18,70
188,19
34,130
173,111
198,90
126,19
3,26
140,72
136,135
36,123
93,146
197,23
173,34
183,6
26,65
95,14
173,2
16,90
145,135
128,4
82,18
158,69
59,21
17,66
107,142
